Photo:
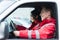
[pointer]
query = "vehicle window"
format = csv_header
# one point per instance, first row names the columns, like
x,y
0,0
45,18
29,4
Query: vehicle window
x,y
21,16
30,21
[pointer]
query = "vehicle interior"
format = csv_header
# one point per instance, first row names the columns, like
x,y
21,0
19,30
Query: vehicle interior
x,y
33,5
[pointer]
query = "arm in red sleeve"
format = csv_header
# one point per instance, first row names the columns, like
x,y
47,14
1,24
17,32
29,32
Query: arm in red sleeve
x,y
46,31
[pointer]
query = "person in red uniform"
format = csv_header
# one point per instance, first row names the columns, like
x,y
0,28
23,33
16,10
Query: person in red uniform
x,y
44,29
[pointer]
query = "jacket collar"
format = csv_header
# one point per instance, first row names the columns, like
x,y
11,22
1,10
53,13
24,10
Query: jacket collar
x,y
45,21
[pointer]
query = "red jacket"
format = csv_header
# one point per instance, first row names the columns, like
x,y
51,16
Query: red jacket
x,y
44,29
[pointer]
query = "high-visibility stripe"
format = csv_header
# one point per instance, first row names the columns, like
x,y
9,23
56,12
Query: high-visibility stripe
x,y
46,25
37,25
29,34
37,34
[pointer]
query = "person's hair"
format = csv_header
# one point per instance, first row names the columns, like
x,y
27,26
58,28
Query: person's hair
x,y
35,13
47,8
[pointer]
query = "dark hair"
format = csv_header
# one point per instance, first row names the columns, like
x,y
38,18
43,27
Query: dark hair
x,y
35,13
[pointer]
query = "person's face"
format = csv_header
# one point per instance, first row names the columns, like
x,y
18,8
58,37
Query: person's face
x,y
44,14
33,19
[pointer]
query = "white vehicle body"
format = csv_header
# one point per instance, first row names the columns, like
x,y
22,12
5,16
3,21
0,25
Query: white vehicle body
x,y
17,3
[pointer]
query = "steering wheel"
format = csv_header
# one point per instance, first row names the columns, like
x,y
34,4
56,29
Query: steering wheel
x,y
11,34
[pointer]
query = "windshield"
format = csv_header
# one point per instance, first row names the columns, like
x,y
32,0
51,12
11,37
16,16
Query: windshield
x,y
5,5
21,16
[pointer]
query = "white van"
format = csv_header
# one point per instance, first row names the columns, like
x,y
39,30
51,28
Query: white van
x,y
18,12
